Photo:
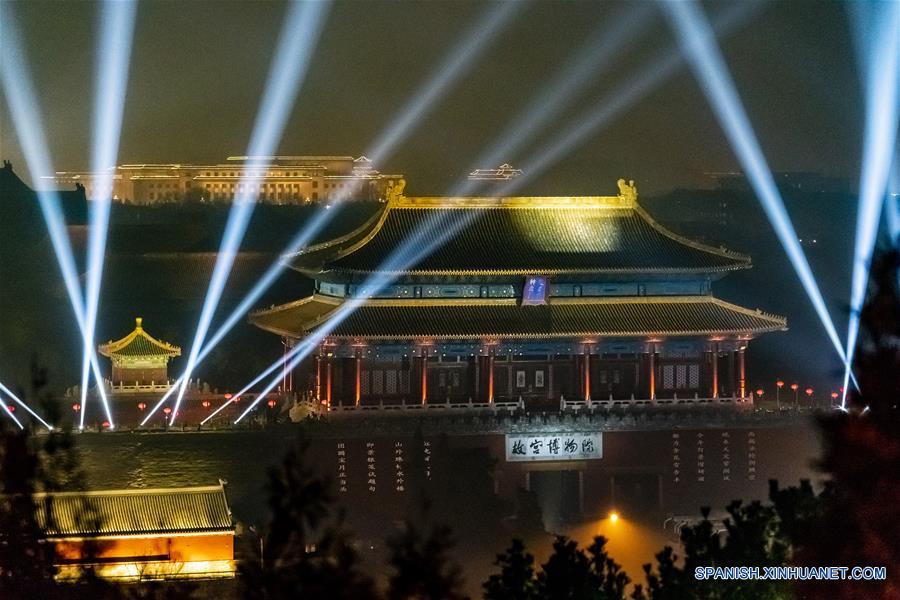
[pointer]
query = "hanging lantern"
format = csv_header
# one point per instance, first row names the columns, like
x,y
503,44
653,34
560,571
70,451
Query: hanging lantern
x,y
794,386
167,410
271,403
205,404
809,391
779,383
76,407
141,406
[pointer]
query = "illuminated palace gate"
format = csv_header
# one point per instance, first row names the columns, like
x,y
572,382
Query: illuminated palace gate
x,y
539,299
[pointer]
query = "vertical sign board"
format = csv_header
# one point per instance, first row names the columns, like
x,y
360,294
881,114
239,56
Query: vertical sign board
x,y
554,446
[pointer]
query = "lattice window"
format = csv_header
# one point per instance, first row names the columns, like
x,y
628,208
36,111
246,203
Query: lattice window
x,y
668,372
680,376
365,382
404,382
391,382
378,382
694,376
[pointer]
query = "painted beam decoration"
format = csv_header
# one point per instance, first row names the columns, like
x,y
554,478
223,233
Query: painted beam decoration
x,y
554,446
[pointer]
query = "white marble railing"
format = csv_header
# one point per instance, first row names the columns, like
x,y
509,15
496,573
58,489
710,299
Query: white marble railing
x,y
137,388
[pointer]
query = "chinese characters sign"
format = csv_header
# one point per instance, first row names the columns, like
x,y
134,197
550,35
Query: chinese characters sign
x,y
554,446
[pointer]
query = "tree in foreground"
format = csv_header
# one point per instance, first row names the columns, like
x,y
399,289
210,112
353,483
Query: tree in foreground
x,y
570,573
305,552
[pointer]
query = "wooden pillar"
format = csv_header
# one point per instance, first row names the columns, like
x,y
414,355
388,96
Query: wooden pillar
x,y
550,377
587,372
328,370
715,371
424,375
358,378
742,373
490,368
318,377
477,378
732,374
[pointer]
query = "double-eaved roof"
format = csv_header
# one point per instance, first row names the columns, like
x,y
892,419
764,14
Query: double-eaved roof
x,y
139,344
578,236
480,318
130,512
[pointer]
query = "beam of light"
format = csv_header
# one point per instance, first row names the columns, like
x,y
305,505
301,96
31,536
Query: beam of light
x,y
19,401
456,64
699,45
878,41
892,205
459,61
297,42
611,39
434,232
23,106
117,20
10,413
638,85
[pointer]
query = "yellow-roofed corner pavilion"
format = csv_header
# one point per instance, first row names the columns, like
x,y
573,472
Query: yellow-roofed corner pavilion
x,y
538,299
139,360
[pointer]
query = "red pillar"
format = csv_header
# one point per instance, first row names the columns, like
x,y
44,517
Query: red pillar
x,y
318,377
358,393
328,381
715,370
742,373
491,376
652,371
587,372
424,375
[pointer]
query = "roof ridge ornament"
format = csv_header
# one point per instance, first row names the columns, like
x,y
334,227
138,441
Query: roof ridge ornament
x,y
138,323
394,190
627,190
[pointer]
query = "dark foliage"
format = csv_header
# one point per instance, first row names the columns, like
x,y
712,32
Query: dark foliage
x,y
421,566
305,551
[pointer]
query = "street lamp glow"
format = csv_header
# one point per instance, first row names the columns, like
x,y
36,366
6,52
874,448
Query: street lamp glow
x,y
613,517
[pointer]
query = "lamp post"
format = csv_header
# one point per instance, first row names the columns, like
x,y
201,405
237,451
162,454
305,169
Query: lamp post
x,y
759,393
834,397
809,393
778,385
795,387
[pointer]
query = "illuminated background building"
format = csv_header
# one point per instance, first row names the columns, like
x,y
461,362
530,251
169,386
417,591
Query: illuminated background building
x,y
281,180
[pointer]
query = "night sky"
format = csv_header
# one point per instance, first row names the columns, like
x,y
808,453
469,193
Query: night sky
x,y
198,69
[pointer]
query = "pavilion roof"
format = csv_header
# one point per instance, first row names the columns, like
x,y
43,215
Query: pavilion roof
x,y
580,236
486,318
134,512
139,343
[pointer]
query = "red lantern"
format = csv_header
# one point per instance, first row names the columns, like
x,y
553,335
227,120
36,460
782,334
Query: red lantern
x,y
271,403
141,406
11,408
794,386
167,410
809,391
228,396
105,424
779,383
834,395
760,392
205,403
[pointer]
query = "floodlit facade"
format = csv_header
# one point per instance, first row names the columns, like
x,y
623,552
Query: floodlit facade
x,y
541,300
276,180
140,534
